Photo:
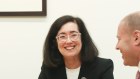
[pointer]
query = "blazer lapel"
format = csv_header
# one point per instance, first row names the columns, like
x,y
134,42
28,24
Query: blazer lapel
x,y
59,73
83,72
86,69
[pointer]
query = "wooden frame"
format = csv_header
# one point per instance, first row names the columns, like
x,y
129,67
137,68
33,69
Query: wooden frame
x,y
41,12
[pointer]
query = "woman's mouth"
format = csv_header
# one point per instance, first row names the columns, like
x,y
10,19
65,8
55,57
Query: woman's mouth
x,y
69,47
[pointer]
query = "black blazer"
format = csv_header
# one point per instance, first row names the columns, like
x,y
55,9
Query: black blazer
x,y
99,69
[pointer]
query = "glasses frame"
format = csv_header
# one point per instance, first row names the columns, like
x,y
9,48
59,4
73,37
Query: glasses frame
x,y
68,37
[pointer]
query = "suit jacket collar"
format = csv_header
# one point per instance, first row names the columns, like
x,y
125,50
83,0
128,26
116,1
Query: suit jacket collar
x,y
60,72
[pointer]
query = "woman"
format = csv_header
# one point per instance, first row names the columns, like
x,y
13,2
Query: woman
x,y
69,53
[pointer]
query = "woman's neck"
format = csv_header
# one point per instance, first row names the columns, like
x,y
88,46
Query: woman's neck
x,y
72,63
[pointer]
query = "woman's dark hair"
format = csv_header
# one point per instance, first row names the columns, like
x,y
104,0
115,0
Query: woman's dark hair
x,y
52,56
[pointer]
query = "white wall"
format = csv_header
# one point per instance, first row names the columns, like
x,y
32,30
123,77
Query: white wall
x,y
22,38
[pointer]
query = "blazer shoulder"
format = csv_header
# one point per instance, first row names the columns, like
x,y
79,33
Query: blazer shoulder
x,y
104,64
100,68
104,61
101,63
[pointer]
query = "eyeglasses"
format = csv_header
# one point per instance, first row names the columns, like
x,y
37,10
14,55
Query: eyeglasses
x,y
63,37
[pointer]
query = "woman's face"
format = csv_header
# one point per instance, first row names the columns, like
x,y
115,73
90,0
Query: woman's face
x,y
69,40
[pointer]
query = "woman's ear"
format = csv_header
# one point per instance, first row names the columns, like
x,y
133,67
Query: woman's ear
x,y
136,36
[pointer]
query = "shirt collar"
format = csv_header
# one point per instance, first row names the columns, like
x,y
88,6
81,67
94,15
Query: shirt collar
x,y
139,66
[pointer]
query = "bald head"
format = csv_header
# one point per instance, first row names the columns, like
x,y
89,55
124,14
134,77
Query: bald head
x,y
132,21
128,35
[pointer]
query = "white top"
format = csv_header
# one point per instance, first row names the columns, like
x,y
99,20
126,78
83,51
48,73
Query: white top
x,y
72,73
139,66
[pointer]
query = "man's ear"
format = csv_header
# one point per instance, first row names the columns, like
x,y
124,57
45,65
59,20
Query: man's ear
x,y
136,36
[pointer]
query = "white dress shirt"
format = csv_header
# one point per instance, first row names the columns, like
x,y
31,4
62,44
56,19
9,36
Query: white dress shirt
x,y
72,73
139,66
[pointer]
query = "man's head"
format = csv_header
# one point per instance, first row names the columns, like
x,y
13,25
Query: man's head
x,y
129,39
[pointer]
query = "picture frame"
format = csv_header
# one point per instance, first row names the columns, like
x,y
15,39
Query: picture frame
x,y
23,8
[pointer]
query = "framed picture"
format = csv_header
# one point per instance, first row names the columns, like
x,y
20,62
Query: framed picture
x,y
23,7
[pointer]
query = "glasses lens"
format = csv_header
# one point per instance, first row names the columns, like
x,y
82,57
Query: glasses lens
x,y
63,37
74,36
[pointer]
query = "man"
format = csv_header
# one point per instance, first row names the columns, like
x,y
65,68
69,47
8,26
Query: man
x,y
129,39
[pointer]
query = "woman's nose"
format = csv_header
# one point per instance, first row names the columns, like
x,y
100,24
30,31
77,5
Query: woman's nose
x,y
68,39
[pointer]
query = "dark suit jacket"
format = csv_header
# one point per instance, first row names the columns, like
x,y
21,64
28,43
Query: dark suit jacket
x,y
99,69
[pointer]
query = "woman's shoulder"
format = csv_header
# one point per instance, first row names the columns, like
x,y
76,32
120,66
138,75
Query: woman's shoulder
x,y
48,68
103,60
100,62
